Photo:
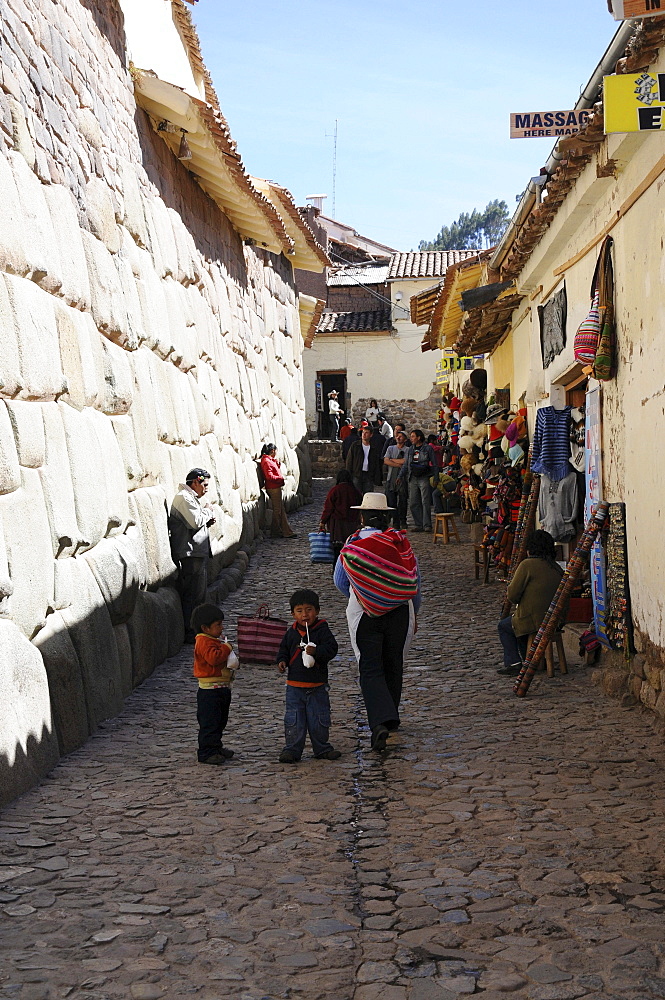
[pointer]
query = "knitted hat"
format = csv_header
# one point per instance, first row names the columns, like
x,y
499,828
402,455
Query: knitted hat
x,y
512,432
493,413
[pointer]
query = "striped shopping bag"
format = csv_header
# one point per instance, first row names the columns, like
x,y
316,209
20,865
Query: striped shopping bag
x,y
259,636
320,547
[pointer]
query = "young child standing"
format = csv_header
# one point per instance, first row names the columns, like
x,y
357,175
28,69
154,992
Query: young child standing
x,y
214,666
305,652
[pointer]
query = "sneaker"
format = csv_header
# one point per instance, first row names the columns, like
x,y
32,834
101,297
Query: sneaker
x,y
379,738
417,529
428,529
330,755
214,758
227,753
287,757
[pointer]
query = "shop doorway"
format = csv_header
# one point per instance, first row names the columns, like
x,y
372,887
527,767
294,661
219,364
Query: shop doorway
x,y
329,381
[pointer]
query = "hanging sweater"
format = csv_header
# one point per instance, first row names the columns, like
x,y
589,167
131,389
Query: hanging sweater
x,y
551,443
557,506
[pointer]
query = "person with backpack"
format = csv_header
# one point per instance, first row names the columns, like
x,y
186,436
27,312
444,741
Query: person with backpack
x,y
420,464
378,572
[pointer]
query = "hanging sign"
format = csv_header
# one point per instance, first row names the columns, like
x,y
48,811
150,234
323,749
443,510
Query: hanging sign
x,y
454,364
548,124
594,493
318,392
634,102
623,9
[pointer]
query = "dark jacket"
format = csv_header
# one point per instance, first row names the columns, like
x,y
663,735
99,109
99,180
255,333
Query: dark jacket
x,y
348,441
424,451
532,588
356,456
337,515
291,653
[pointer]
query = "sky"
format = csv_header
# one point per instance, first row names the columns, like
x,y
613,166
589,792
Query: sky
x,y
422,91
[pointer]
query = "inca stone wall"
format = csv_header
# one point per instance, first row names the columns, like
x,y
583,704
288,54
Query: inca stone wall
x,y
420,414
139,338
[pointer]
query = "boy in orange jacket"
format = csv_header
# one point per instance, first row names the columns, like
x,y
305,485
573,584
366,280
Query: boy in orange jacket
x,y
214,666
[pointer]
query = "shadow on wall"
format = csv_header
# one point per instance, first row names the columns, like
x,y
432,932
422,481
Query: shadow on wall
x,y
110,22
76,672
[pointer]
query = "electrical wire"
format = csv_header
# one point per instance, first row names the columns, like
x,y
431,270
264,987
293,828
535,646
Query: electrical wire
x,y
377,295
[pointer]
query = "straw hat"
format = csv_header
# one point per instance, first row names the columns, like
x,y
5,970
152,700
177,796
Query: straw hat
x,y
373,501
333,393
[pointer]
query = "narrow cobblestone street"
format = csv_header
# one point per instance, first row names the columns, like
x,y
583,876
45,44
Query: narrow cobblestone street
x,y
500,847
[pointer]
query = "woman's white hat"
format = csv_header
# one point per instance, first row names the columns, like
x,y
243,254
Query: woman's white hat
x,y
333,393
373,501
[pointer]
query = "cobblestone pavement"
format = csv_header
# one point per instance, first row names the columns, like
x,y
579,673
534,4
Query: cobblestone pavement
x,y
501,847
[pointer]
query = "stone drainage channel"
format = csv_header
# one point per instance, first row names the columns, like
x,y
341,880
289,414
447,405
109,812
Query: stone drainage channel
x,y
500,847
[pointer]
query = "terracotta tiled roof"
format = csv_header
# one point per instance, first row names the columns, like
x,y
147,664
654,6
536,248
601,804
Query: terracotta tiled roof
x,y
359,274
426,263
377,321
579,149
183,19
307,254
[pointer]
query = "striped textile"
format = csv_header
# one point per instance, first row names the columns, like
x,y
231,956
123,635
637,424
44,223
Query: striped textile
x,y
551,443
382,570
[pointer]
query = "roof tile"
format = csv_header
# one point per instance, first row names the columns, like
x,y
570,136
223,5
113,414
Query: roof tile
x,y
375,321
426,263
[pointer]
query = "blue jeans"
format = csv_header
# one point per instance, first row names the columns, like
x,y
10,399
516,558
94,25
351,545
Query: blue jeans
x,y
514,646
307,711
420,501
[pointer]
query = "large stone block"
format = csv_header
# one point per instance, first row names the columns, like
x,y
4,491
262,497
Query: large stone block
x,y
93,638
114,490
13,251
115,569
100,212
10,473
57,484
80,355
108,302
29,552
170,600
142,414
118,385
28,428
148,508
135,333
131,207
123,641
148,634
41,374
65,681
28,743
87,463
162,240
189,269
38,234
75,288
125,436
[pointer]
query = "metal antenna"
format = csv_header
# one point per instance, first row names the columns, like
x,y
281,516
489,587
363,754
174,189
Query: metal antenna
x,y
334,173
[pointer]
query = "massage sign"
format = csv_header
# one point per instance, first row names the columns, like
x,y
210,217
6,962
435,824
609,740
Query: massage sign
x,y
547,124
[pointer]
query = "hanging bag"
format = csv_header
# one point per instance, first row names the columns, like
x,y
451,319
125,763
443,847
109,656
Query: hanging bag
x,y
588,335
603,364
260,636
320,547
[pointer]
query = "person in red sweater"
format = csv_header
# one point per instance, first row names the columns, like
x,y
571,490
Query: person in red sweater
x,y
338,518
214,666
272,473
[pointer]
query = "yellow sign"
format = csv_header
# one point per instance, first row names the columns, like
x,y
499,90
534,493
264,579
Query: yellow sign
x,y
634,102
623,9
454,364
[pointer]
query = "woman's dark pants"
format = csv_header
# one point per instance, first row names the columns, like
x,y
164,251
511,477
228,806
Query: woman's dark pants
x,y
380,642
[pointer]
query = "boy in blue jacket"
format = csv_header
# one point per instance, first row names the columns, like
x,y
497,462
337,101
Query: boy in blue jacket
x,y
306,649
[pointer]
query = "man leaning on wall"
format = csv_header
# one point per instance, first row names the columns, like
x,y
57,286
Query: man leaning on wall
x,y
189,521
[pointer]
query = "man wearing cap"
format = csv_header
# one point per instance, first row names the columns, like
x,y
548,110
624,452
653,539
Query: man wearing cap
x,y
381,610
335,413
189,521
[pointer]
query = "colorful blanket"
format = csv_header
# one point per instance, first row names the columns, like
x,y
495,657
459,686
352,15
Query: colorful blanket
x,y
382,570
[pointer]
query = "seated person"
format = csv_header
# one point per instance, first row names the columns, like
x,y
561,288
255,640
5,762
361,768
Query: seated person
x,y
531,589
444,497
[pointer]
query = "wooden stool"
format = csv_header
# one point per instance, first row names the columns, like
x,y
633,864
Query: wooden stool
x,y
549,655
445,522
478,551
